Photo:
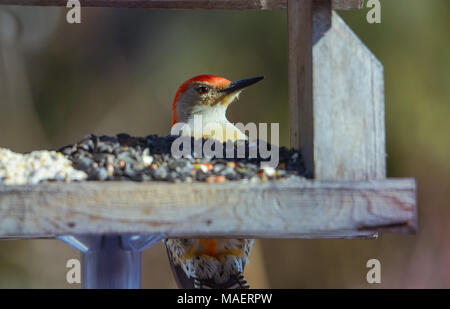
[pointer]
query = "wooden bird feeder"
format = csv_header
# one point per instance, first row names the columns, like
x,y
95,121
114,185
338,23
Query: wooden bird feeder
x,y
336,96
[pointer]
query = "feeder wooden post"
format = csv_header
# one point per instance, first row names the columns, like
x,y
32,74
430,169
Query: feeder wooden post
x,y
336,96
300,29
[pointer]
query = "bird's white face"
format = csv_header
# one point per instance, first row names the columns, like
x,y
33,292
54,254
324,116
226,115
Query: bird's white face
x,y
203,99
207,96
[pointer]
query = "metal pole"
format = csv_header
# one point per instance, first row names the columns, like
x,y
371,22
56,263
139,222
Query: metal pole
x,y
112,261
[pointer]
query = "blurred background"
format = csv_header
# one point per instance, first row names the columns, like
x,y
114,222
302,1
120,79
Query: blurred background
x,y
118,72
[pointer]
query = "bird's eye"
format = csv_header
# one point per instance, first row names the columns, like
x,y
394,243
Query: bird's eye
x,y
203,89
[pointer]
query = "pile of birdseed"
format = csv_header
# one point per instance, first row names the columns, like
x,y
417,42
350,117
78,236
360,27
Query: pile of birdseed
x,y
35,167
124,157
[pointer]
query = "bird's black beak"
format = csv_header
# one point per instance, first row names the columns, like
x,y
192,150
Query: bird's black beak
x,y
241,84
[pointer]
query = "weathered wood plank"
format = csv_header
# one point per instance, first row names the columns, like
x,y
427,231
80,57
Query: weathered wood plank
x,y
348,104
186,4
300,29
347,4
336,97
283,209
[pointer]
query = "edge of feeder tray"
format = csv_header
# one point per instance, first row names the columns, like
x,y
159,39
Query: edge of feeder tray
x,y
188,4
294,208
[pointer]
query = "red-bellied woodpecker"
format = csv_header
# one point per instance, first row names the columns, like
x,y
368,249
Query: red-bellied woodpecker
x,y
209,263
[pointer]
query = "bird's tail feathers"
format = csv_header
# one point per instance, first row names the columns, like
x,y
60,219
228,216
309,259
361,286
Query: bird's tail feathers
x,y
235,281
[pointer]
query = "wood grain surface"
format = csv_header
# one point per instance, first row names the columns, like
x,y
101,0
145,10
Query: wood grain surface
x,y
281,209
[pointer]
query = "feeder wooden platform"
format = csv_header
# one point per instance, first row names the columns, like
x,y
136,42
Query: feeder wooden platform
x,y
278,209
336,96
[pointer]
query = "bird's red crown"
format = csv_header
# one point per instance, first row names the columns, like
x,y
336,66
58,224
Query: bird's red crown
x,y
212,80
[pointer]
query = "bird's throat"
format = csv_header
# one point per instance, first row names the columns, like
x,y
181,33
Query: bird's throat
x,y
219,129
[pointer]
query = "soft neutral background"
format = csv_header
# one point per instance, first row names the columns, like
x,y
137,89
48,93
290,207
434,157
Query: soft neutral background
x,y
118,72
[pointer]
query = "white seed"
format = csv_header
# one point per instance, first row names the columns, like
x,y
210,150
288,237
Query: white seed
x,y
269,171
146,157
35,167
